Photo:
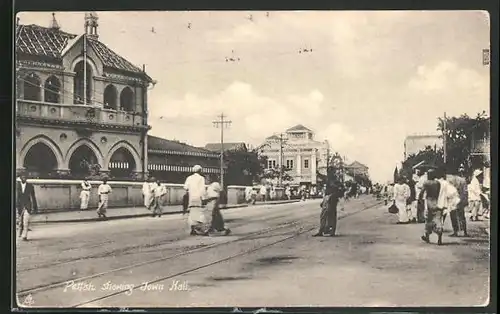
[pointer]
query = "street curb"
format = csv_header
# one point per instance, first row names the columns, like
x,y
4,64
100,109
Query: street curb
x,y
149,214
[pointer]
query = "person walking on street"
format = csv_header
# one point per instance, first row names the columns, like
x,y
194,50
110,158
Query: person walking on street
x,y
434,218
458,221
213,203
85,194
263,192
159,192
103,191
195,187
148,193
401,196
26,205
474,190
328,217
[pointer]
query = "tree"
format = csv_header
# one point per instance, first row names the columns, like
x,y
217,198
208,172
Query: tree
x,y
429,156
395,175
460,132
243,167
274,174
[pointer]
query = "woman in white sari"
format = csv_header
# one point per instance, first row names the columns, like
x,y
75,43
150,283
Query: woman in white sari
x,y
401,195
148,193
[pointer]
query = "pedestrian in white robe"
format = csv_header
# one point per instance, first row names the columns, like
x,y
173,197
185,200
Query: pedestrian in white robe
x,y
103,191
198,215
159,191
401,195
148,194
85,194
474,190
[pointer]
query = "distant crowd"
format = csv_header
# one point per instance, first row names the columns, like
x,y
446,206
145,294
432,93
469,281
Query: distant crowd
x,y
433,193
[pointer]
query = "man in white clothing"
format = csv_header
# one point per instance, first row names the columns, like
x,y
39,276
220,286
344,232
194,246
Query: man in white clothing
x,y
474,193
159,191
198,215
147,193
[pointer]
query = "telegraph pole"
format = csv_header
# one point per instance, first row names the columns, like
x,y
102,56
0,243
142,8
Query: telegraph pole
x,y
222,123
444,139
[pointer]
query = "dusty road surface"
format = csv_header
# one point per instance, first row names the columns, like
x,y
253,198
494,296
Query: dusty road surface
x,y
270,259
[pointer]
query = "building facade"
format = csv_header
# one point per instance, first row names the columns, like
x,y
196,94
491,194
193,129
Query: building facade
x,y
415,143
299,152
79,105
172,161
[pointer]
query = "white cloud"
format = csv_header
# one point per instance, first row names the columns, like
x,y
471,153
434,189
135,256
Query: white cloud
x,y
448,76
254,116
339,137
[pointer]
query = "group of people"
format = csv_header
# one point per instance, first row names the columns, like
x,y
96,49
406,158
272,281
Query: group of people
x,y
203,204
429,197
103,192
26,202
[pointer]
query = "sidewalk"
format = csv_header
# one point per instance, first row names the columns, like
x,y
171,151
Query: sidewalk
x,y
124,212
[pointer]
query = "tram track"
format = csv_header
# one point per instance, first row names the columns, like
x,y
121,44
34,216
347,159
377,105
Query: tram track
x,y
128,249
250,236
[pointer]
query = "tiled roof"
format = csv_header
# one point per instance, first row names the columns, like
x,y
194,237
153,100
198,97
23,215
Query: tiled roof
x,y
50,42
159,144
272,137
41,41
111,59
215,147
298,127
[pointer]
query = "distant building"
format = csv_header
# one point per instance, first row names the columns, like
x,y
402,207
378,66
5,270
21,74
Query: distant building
x,y
415,143
302,155
172,161
356,168
215,147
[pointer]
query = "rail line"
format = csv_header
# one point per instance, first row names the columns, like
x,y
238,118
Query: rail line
x,y
125,250
187,252
193,269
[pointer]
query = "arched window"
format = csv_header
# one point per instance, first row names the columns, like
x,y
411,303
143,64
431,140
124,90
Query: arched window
x,y
82,161
127,99
32,87
52,89
41,160
121,164
78,83
110,97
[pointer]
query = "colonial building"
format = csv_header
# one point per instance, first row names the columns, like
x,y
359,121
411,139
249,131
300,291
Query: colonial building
x,y
299,152
78,104
172,161
415,143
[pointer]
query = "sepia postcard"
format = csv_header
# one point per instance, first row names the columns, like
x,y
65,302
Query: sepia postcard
x,y
242,159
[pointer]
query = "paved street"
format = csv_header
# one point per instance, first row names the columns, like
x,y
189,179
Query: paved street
x,y
373,262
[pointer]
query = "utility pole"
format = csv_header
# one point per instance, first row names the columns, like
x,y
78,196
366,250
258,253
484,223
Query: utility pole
x,y
223,123
444,139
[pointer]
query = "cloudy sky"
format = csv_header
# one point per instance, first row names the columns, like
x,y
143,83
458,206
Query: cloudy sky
x,y
371,79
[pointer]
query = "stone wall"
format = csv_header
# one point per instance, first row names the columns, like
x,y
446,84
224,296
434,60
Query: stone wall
x,y
62,195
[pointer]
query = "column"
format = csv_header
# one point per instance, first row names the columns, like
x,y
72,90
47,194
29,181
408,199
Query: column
x,y
313,167
299,165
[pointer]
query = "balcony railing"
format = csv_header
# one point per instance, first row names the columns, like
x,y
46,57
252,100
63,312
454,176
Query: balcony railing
x,y
78,113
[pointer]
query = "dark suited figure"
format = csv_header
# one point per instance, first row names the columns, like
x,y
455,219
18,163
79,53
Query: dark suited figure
x,y
26,205
185,203
434,215
328,218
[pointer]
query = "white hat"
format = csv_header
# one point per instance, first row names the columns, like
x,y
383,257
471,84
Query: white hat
x,y
197,168
477,172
